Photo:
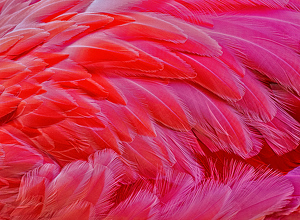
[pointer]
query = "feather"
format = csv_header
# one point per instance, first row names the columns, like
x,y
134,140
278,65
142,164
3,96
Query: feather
x,y
174,67
257,103
43,10
8,104
92,88
146,156
15,165
78,209
202,6
9,68
283,25
31,37
63,17
213,75
56,27
266,57
281,134
142,205
212,199
114,94
153,61
68,71
215,120
44,115
144,65
120,118
197,42
109,6
158,103
61,37
159,154
29,89
94,21
7,42
148,27
204,202
213,5
32,190
254,194
293,176
118,121
59,98
182,147
27,106
287,100
69,187
89,50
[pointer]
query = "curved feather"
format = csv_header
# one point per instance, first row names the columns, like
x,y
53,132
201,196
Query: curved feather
x,y
257,103
213,75
261,53
215,120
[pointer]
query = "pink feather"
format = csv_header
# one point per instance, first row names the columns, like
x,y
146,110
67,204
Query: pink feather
x,y
171,109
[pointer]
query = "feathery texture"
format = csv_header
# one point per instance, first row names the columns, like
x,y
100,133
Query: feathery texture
x,y
172,109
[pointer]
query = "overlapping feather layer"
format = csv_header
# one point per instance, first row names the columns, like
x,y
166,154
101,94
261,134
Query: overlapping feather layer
x,y
149,109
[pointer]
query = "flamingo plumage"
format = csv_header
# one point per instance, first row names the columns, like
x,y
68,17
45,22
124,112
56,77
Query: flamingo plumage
x,y
171,109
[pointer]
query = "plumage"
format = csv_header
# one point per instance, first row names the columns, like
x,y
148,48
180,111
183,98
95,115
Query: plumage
x,y
172,109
